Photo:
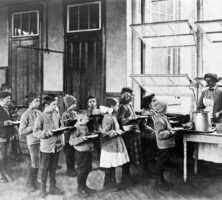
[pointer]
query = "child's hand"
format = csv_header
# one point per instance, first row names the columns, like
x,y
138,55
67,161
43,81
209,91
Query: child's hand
x,y
50,133
84,137
120,132
8,122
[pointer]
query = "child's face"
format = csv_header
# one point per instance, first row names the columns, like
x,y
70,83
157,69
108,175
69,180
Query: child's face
x,y
6,101
35,103
116,107
52,106
92,103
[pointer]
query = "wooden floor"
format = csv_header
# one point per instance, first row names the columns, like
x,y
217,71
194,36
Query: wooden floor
x,y
206,185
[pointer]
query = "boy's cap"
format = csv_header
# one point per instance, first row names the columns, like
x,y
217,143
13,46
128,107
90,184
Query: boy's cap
x,y
69,100
159,107
4,95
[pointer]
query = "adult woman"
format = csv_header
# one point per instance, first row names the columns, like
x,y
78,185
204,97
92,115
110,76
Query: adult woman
x,y
211,101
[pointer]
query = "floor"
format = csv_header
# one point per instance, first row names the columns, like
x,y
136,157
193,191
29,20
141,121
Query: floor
x,y
207,184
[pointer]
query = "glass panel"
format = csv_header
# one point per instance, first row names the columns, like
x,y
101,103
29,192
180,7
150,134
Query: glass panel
x,y
25,24
33,24
17,23
73,18
83,17
94,16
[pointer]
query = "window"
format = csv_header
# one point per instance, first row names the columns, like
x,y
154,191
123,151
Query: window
x,y
25,24
84,17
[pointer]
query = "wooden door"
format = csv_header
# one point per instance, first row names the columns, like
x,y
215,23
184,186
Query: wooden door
x,y
84,72
25,69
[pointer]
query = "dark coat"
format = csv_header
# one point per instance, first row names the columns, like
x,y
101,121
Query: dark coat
x,y
5,131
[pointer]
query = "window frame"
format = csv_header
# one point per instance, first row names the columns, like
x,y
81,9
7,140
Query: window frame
x,y
24,12
83,30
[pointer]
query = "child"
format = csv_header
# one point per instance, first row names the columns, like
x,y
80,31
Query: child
x,y
83,152
113,149
165,140
6,132
67,119
132,138
26,128
92,106
50,145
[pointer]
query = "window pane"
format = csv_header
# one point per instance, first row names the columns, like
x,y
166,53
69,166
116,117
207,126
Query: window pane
x,y
25,24
16,28
94,16
73,18
33,23
84,14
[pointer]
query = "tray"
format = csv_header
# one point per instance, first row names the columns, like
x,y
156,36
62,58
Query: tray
x,y
16,122
59,130
194,131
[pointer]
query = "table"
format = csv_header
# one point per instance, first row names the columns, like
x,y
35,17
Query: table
x,y
197,137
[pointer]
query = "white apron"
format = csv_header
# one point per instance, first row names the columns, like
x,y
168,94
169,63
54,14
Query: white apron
x,y
210,152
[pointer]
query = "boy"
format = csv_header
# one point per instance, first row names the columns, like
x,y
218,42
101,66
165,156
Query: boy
x,y
83,152
67,119
50,145
165,140
26,128
92,106
6,132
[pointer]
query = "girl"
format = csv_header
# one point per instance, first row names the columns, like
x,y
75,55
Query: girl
x,y
113,149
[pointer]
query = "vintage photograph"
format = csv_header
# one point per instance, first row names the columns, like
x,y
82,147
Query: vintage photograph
x,y
110,99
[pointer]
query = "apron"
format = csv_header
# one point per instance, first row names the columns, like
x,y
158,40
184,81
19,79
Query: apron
x,y
210,152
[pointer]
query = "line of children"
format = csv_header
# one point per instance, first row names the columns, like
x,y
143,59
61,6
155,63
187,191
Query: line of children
x,y
26,128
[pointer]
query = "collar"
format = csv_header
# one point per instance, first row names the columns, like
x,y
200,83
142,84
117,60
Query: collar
x,y
213,88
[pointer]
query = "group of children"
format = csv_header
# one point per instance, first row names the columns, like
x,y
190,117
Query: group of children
x,y
117,147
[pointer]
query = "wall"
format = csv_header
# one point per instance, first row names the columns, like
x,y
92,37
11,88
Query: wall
x,y
115,45
53,62
3,37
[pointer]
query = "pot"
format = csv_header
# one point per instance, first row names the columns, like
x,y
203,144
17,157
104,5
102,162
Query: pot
x,y
201,121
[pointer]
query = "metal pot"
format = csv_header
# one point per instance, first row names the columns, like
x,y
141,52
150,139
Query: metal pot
x,y
201,120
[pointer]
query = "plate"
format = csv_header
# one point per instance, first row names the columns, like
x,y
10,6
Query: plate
x,y
62,129
194,131
16,122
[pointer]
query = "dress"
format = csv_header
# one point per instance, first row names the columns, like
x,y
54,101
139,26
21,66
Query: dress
x,y
211,101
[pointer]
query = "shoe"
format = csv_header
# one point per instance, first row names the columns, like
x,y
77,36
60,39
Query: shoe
x,y
71,173
3,179
56,191
9,177
59,167
83,193
89,190
110,188
35,179
162,184
43,194
120,187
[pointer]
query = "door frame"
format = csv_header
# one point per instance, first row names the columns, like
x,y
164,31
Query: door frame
x,y
103,36
38,5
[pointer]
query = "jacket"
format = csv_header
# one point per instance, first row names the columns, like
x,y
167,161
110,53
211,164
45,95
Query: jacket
x,y
76,139
5,131
111,141
27,125
163,131
44,123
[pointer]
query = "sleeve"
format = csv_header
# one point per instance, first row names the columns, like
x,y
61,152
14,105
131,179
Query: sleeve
x,y
200,105
121,116
107,127
38,129
76,138
24,129
144,127
161,133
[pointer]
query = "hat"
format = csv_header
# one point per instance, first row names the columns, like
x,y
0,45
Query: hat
x,y
211,75
147,100
4,95
69,100
159,107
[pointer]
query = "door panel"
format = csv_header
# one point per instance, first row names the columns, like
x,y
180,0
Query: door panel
x,y
25,69
84,67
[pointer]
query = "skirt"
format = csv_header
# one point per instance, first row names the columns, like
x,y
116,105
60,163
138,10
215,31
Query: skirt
x,y
113,159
